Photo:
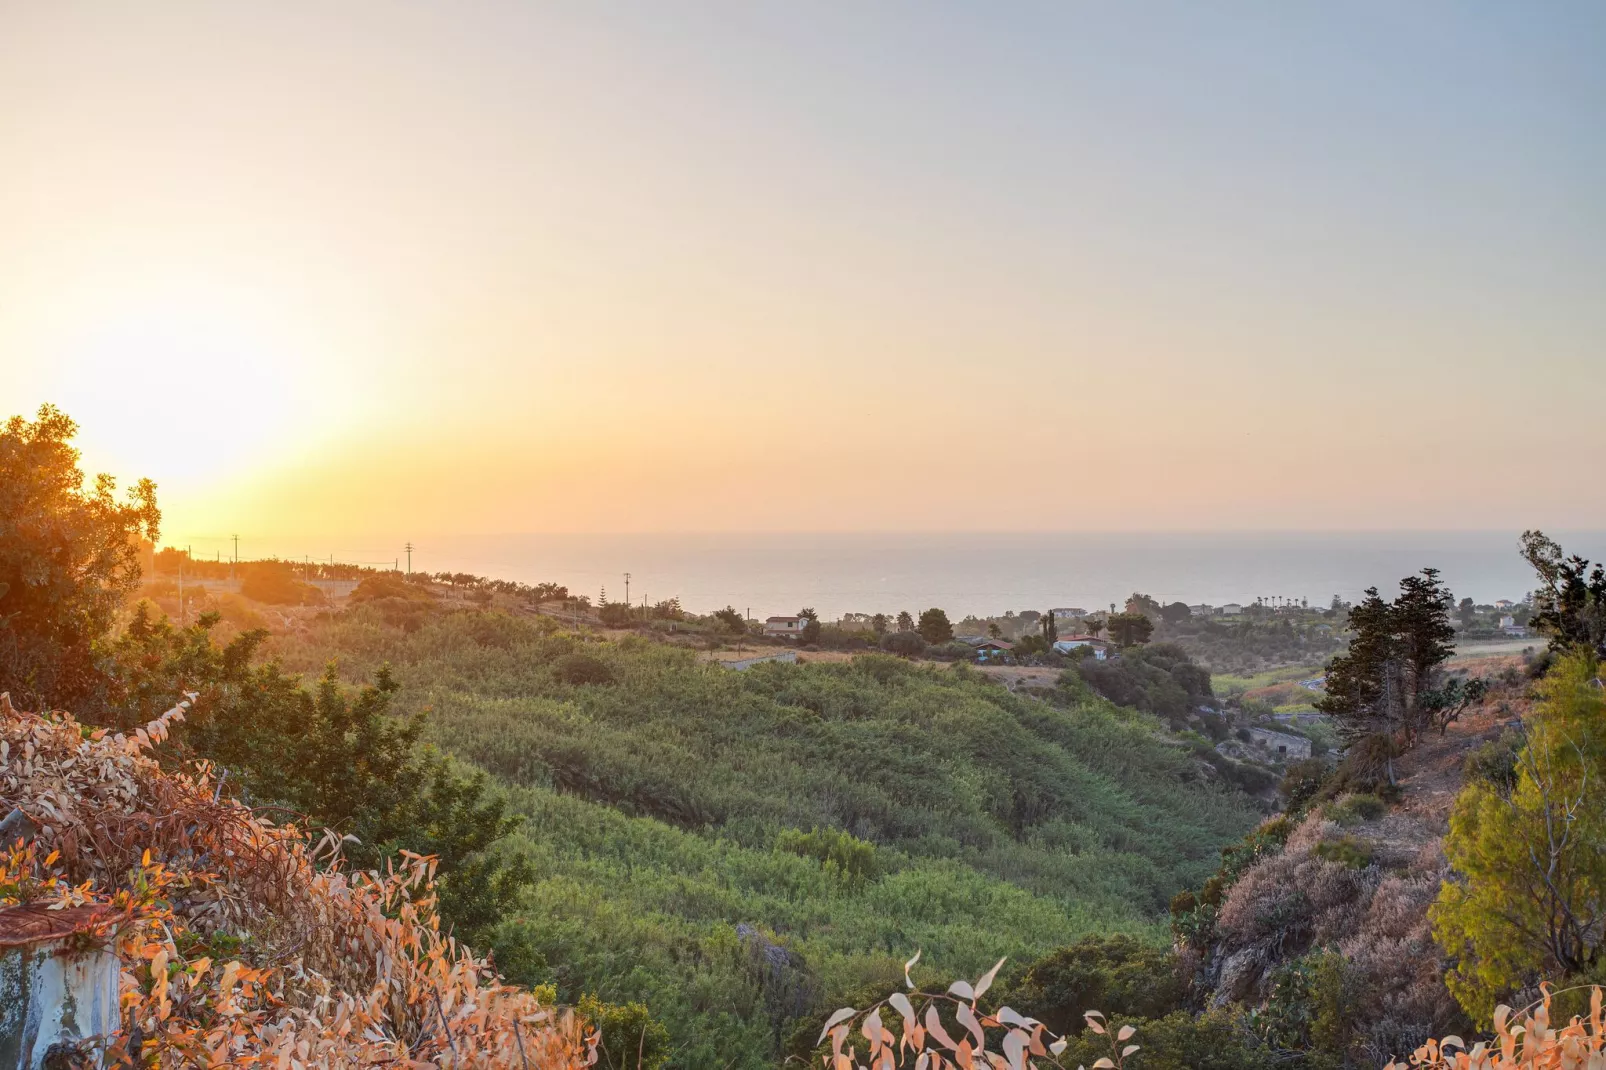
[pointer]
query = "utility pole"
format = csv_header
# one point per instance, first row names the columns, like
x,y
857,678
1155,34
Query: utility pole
x,y
409,549
181,592
236,561
627,590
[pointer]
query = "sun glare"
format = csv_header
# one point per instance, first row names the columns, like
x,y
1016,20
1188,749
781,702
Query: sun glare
x,y
184,390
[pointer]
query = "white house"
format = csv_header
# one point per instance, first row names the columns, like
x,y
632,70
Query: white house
x,y
1071,642
1202,611
1505,603
1283,744
1232,609
1074,613
784,627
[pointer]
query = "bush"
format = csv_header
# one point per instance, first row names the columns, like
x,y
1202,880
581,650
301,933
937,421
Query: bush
x,y
614,614
1351,852
578,669
1116,973
1303,780
1353,809
834,849
1216,1040
904,644
1495,762
631,1038
275,584
390,585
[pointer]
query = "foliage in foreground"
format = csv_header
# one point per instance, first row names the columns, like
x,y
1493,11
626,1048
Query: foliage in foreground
x,y
1527,903
239,944
1523,1041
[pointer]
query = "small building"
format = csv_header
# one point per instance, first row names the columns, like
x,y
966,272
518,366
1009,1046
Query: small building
x,y
1505,604
1074,642
993,649
784,627
58,985
1284,745
1202,610
1232,609
1072,613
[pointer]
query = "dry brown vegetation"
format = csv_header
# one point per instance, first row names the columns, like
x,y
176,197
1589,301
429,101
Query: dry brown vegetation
x,y
241,942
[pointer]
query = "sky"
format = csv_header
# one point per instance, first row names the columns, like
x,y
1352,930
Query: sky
x,y
375,271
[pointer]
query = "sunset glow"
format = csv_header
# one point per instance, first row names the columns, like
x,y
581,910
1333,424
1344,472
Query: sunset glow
x,y
567,268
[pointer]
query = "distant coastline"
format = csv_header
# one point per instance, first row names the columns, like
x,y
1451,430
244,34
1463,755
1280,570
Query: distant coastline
x,y
981,573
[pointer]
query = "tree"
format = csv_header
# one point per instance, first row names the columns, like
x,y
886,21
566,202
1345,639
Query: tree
x,y
811,629
1142,603
731,620
1466,613
1176,612
1388,683
994,631
1529,899
1130,629
68,558
934,627
1570,605
1051,631
878,624
906,623
1093,626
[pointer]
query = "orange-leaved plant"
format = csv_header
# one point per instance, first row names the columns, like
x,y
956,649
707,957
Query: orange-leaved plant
x,y
241,942
1523,1040
998,1040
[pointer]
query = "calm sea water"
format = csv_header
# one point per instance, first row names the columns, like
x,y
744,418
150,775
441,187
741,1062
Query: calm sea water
x,y
989,573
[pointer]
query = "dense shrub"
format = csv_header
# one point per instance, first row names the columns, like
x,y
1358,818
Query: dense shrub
x,y
904,644
389,585
1303,780
1354,809
1125,976
275,583
630,1039
579,669
841,851
1495,762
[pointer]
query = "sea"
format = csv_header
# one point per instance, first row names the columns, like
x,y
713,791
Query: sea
x,y
987,574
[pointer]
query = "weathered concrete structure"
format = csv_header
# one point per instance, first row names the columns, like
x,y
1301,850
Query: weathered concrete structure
x,y
58,984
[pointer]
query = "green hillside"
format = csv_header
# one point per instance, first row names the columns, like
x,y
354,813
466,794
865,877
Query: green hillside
x,y
671,808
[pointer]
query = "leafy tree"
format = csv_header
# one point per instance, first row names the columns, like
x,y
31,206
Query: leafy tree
x,y
906,623
1142,603
1388,681
1130,629
1529,901
1051,632
1466,613
879,624
934,627
1176,613
731,619
811,627
68,557
994,631
1093,626
1570,605
327,757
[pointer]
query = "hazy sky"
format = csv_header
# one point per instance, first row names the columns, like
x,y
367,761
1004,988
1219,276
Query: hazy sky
x,y
399,269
